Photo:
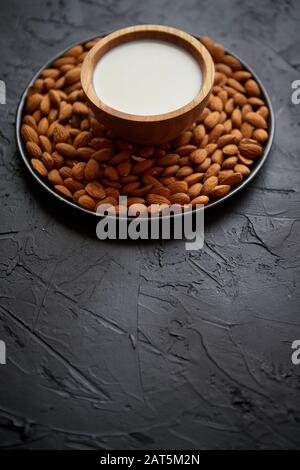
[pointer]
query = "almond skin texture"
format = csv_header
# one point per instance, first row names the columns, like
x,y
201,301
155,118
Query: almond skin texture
x,y
39,167
29,134
96,190
63,191
208,185
233,180
55,178
178,187
198,156
66,150
250,148
179,198
87,202
221,190
91,170
200,200
34,150
157,199
256,120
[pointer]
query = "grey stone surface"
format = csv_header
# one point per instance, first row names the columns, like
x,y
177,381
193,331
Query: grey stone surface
x,y
145,345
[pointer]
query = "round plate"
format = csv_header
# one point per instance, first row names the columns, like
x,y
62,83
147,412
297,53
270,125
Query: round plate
x,y
44,184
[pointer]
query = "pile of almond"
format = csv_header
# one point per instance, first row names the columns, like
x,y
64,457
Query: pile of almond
x,y
85,163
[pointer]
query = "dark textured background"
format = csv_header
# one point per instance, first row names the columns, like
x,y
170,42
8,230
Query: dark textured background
x,y
141,346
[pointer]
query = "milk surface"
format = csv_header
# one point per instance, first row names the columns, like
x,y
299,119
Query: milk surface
x,y
147,77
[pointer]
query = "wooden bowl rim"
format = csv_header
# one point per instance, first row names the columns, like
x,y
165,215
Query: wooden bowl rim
x,y
207,78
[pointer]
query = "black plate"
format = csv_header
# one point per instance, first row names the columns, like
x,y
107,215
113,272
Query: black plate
x,y
48,188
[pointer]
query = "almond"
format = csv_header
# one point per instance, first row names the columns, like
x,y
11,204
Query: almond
x,y
63,191
233,180
30,121
221,190
33,102
212,120
87,202
184,171
230,149
65,111
185,150
171,170
236,118
109,200
252,88
96,190
103,155
213,170
91,170
55,98
198,156
45,144
85,153
72,76
78,171
67,150
199,200
34,150
82,139
60,133
256,120
260,135
226,139
250,148
178,187
73,185
192,179
216,104
111,173
29,134
48,161
232,82
194,190
157,199
215,133
203,167
141,191
247,130
124,168
243,169
55,178
39,167
169,159
43,126
208,185
179,198
198,134
78,194
232,62
65,172
161,191
80,108
142,166
217,156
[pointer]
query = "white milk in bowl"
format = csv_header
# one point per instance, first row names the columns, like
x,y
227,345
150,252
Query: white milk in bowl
x,y
147,77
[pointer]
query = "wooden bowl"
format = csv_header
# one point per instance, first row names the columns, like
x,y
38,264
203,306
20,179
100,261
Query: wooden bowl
x,y
150,129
